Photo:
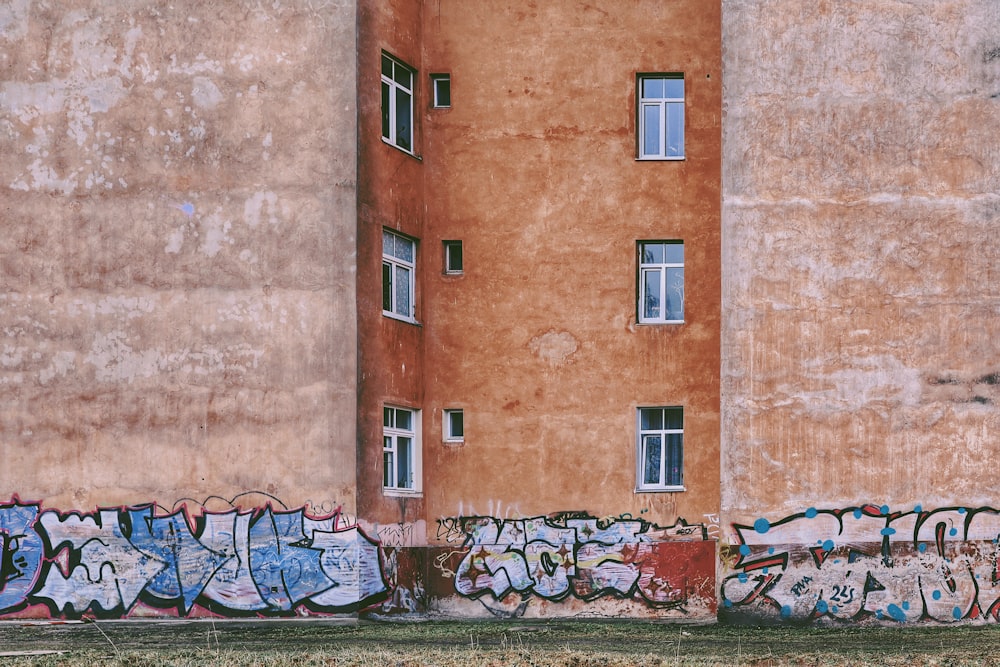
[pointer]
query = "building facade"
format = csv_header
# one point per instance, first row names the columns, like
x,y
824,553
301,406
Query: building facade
x,y
664,309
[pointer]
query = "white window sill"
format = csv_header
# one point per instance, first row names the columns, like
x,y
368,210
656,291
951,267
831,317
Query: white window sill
x,y
658,158
658,322
453,441
402,150
394,316
661,489
404,493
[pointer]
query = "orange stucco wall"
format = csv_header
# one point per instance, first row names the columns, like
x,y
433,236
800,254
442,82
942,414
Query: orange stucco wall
x,y
533,168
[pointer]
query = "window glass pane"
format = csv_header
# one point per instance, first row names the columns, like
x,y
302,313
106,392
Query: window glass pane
x,y
404,447
651,447
652,253
652,419
454,259
404,77
386,66
442,92
456,428
388,243
673,88
675,294
387,287
673,253
651,294
404,420
387,420
674,418
675,129
404,249
675,459
385,110
651,129
652,87
387,471
403,119
401,292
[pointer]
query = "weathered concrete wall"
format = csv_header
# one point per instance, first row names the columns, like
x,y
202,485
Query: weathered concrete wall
x,y
860,299
178,257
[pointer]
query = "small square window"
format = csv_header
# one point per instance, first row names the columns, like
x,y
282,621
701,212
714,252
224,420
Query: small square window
x,y
442,90
454,426
660,449
661,116
401,453
661,282
397,102
399,263
453,257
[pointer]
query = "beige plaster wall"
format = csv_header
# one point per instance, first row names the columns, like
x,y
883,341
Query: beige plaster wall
x,y
860,295
177,261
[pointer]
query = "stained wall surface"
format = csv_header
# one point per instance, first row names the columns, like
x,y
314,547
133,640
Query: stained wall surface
x,y
860,300
178,253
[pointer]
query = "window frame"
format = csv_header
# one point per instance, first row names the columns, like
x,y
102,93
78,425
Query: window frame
x,y
448,434
391,435
395,264
669,108
645,268
641,485
436,79
447,247
391,89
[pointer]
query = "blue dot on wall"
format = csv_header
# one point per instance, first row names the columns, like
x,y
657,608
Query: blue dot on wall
x,y
744,550
834,609
906,605
821,606
961,510
921,547
742,576
770,550
762,525
786,611
727,603
896,613
188,208
857,513
884,509
936,595
888,531
956,612
828,545
953,532
918,508
811,513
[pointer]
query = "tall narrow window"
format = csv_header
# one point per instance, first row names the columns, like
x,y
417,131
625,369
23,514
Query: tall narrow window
x,y
661,116
400,449
661,449
399,261
661,282
454,426
442,90
397,103
453,257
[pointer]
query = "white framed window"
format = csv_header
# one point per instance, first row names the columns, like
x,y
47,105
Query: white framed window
x,y
661,282
453,257
399,263
453,425
661,116
660,449
441,84
397,102
401,456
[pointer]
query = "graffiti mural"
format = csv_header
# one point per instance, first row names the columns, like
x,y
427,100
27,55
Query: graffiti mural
x,y
573,555
262,561
868,562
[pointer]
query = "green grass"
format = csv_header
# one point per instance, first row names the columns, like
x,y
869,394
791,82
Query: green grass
x,y
514,644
